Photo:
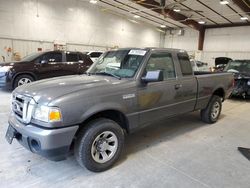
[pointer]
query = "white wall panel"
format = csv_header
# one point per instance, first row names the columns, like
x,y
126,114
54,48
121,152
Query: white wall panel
x,y
82,48
4,55
189,41
224,42
25,47
74,22
227,42
228,39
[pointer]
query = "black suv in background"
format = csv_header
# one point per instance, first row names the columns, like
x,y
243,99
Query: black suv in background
x,y
42,65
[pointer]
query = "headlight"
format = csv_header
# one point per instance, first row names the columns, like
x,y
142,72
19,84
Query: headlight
x,y
248,83
5,68
47,114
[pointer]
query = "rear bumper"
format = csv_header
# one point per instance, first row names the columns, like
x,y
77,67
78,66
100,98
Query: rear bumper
x,y
5,82
53,144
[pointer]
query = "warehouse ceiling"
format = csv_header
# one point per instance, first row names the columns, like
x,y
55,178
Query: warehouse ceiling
x,y
181,13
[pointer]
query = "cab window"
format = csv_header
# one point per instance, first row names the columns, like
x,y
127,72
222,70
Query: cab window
x,y
164,62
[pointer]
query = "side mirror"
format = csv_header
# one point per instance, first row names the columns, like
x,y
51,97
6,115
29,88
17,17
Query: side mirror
x,y
153,76
43,61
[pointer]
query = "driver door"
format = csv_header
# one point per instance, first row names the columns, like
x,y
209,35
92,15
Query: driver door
x,y
157,100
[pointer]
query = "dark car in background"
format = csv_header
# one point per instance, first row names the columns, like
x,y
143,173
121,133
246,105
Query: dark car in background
x,y
94,55
43,65
241,71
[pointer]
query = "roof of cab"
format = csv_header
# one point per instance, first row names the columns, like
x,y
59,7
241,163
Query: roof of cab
x,y
152,49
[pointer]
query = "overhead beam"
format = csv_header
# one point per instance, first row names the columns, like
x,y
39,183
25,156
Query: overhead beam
x,y
205,5
227,25
146,13
172,14
144,17
243,5
203,16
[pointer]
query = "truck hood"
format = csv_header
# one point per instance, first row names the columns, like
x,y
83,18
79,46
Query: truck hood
x,y
47,90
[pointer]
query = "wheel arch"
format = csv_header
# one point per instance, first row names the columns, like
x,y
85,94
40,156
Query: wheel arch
x,y
23,73
219,92
110,113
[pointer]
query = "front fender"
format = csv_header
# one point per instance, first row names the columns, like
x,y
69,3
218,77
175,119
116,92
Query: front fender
x,y
103,107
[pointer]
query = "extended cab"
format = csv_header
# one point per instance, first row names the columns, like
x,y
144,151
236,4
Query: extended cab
x,y
42,65
123,91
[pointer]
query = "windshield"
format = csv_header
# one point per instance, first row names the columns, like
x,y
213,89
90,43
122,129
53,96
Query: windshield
x,y
238,67
120,63
32,56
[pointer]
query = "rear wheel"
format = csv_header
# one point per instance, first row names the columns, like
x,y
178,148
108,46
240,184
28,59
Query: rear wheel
x,y
99,145
22,80
212,112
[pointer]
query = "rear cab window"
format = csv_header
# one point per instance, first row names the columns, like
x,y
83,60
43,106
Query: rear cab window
x,y
185,64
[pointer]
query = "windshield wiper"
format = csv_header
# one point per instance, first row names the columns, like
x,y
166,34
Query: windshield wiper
x,y
109,74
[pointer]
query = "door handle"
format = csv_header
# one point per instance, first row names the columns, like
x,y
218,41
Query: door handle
x,y
177,86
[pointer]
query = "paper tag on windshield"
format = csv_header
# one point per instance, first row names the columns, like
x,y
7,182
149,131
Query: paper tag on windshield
x,y
137,52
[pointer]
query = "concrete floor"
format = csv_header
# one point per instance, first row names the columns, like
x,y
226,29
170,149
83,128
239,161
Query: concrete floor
x,y
180,152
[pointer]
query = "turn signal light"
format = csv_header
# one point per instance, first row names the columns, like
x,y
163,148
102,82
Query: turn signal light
x,y
55,115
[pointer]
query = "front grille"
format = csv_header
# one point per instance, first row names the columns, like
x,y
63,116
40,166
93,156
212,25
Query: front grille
x,y
22,106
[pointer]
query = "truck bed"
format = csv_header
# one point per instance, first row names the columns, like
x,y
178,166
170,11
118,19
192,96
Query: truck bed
x,y
206,82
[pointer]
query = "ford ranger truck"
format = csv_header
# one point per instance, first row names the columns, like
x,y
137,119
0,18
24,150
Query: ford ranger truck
x,y
125,90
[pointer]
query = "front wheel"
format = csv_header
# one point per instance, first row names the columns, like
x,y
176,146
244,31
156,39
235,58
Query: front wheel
x,y
212,112
99,145
22,79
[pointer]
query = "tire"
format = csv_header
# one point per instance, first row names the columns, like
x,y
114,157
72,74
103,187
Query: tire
x,y
212,112
92,144
22,79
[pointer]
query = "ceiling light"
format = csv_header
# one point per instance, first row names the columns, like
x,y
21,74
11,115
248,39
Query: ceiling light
x,y
201,22
93,1
163,26
137,16
160,30
176,9
244,18
133,21
223,2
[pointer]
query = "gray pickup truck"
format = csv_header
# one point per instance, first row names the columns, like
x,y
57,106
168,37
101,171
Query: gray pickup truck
x,y
126,89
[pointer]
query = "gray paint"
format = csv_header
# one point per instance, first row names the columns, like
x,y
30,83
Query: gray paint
x,y
80,97
178,152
